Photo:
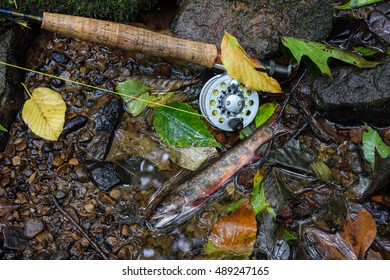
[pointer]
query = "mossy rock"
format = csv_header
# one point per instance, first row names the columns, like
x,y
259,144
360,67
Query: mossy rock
x,y
114,10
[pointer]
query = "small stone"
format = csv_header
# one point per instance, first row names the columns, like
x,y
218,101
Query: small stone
x,y
5,180
14,238
43,254
105,175
75,123
42,166
106,199
57,162
60,194
125,231
115,194
64,168
21,146
73,161
89,207
81,173
45,237
59,57
112,241
5,170
60,255
58,146
44,210
16,161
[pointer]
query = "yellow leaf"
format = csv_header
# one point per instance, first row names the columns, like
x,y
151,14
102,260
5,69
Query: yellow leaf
x,y
241,67
44,113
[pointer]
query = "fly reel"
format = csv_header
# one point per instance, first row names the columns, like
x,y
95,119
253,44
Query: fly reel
x,y
227,104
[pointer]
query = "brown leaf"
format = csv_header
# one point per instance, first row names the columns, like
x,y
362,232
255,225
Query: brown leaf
x,y
235,233
350,243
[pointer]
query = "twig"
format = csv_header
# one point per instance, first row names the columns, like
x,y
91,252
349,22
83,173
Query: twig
x,y
79,228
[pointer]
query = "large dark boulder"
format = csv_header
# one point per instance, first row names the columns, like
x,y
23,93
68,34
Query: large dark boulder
x,y
354,95
257,25
13,45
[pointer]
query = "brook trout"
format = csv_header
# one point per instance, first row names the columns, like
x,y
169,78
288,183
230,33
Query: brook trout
x,y
171,207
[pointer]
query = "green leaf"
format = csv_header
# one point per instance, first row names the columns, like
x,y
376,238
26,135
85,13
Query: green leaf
x,y
264,113
288,235
357,3
233,206
182,127
2,128
320,53
258,201
371,142
366,51
135,94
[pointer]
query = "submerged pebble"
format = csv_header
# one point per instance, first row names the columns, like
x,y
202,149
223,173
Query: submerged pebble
x,y
33,227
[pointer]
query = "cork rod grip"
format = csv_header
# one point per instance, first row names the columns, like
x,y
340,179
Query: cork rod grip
x,y
130,38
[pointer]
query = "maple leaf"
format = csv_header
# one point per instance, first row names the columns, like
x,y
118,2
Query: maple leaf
x,y
351,243
320,53
241,67
44,113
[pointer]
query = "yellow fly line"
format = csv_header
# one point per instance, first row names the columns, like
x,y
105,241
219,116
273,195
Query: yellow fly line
x,y
97,88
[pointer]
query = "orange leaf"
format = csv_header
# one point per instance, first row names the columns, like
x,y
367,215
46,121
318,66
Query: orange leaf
x,y
350,243
235,233
241,67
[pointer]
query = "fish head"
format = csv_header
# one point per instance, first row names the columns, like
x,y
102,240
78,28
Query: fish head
x,y
166,212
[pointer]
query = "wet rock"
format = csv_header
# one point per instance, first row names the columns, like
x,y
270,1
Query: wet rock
x,y
60,255
365,186
12,50
57,162
106,199
33,227
74,124
104,116
354,95
256,24
81,173
43,254
105,175
59,57
14,238
379,21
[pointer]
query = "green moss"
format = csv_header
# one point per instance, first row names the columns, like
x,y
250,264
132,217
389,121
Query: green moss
x,y
114,10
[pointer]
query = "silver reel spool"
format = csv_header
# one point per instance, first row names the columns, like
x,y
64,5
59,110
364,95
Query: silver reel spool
x,y
227,104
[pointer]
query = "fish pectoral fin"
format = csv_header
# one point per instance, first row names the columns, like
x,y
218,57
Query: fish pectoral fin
x,y
199,201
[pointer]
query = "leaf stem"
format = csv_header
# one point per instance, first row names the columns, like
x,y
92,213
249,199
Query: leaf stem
x,y
28,93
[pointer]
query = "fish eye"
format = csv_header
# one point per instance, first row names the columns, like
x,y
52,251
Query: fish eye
x,y
160,208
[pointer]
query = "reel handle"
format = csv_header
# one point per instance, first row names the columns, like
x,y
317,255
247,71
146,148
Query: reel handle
x,y
130,38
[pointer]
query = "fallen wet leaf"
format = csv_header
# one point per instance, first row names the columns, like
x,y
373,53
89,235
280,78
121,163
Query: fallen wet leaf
x,y
2,128
352,4
258,200
351,243
372,142
241,67
179,125
320,53
44,113
234,233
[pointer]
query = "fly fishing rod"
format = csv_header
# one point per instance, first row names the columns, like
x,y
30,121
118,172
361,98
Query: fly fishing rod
x,y
224,101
